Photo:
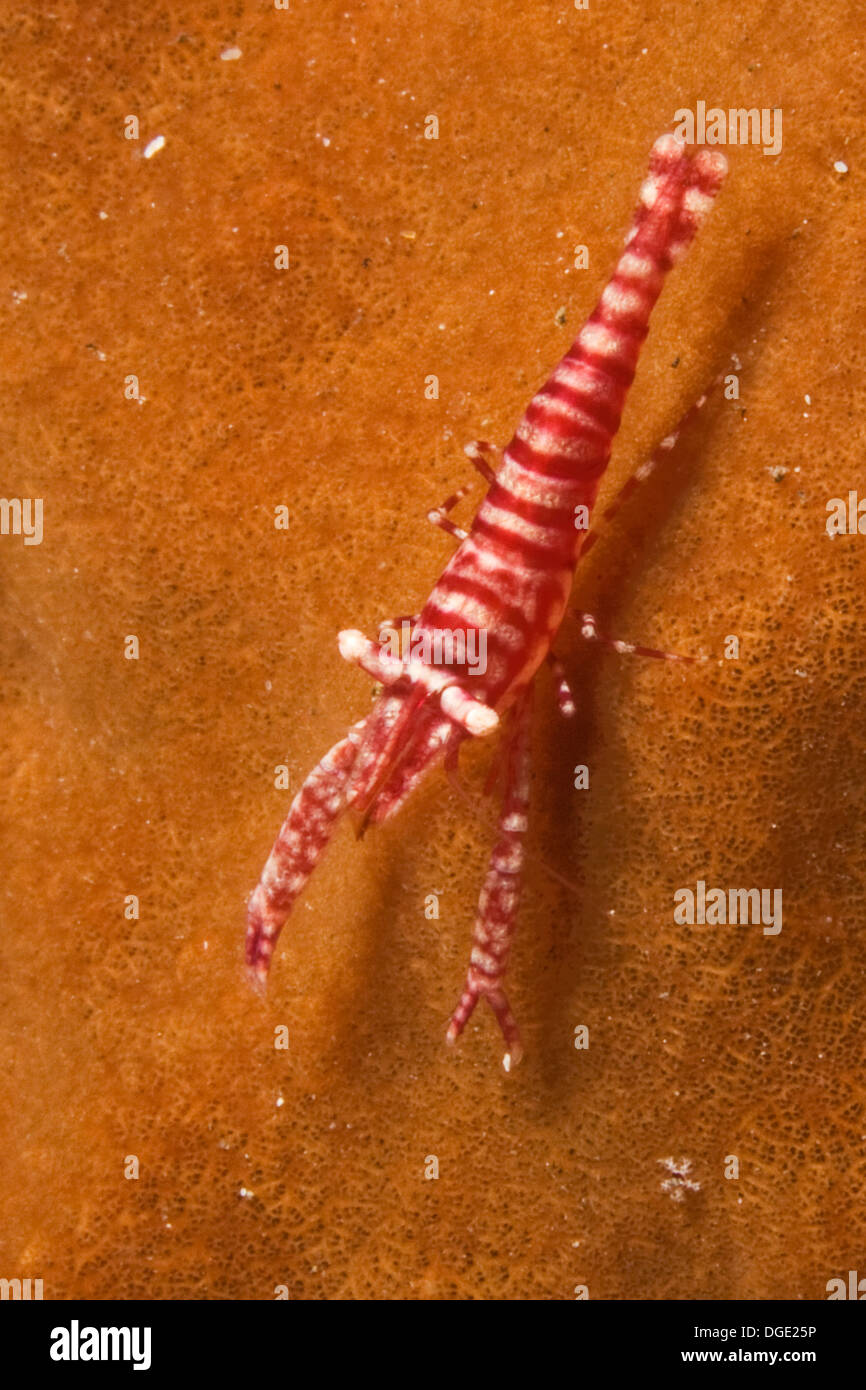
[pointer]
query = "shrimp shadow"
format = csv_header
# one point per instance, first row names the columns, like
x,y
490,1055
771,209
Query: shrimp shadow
x,y
602,589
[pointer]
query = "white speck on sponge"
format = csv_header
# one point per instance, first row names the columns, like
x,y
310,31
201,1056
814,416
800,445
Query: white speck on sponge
x,y
231,55
154,147
840,166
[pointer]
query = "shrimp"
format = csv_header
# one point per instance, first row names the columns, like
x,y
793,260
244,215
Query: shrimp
x,y
504,592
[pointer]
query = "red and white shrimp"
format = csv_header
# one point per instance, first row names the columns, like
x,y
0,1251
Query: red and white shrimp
x,y
507,583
